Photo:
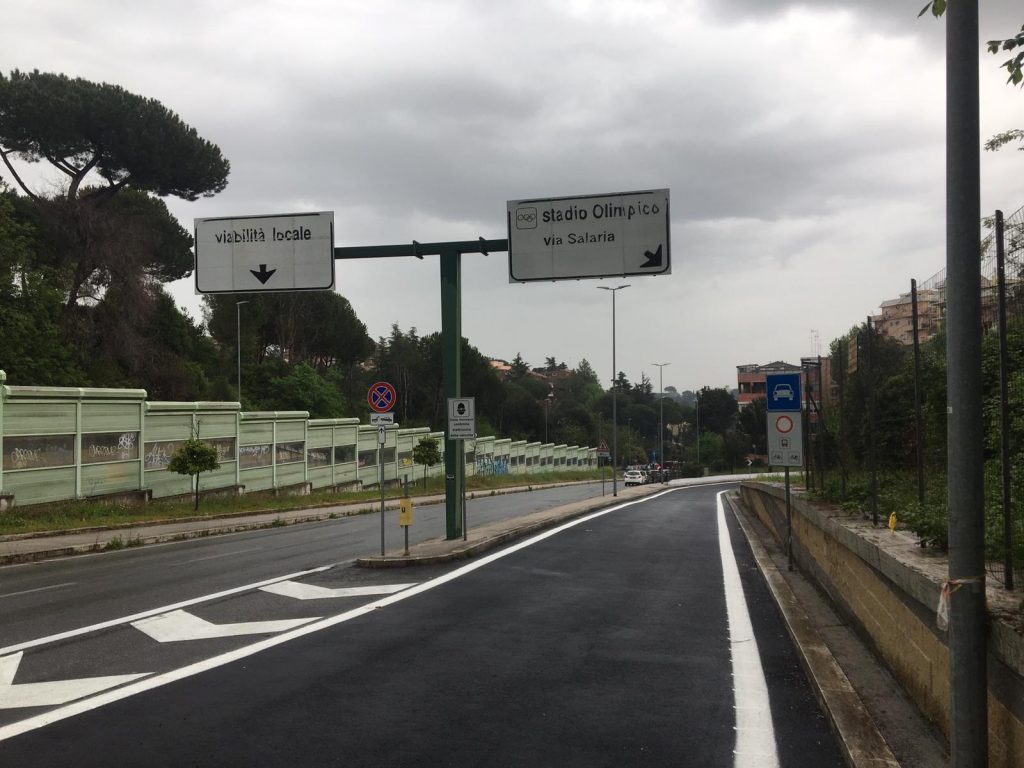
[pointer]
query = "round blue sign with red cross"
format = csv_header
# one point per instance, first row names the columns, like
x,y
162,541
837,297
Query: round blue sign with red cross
x,y
382,397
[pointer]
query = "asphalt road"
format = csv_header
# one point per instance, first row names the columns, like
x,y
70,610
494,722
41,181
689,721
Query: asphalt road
x,y
612,641
47,598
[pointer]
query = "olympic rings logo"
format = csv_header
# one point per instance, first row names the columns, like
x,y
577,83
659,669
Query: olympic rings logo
x,y
526,218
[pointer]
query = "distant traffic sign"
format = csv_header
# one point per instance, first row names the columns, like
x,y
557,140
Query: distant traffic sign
x,y
461,418
568,238
382,397
249,254
785,440
785,422
377,419
783,391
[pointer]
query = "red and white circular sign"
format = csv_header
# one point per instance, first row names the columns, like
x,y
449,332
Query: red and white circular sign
x,y
784,424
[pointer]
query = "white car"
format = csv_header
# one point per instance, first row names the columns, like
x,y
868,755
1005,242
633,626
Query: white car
x,y
634,477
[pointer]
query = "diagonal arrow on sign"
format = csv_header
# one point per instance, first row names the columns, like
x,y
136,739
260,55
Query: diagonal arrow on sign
x,y
653,259
302,591
50,694
180,625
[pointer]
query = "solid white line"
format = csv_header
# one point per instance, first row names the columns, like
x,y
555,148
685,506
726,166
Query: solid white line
x,y
153,612
38,589
755,735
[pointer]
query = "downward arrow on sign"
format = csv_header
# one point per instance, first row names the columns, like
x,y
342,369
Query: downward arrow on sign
x,y
264,274
180,625
52,693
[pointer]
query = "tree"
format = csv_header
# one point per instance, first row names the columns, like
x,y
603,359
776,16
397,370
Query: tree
x,y
80,127
194,458
427,454
519,367
303,389
1013,65
717,408
753,422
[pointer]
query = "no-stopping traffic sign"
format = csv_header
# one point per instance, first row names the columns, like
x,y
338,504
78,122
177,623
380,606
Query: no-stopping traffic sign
x,y
382,397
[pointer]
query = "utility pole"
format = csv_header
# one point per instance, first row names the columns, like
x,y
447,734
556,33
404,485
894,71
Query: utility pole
x,y
968,679
661,415
615,416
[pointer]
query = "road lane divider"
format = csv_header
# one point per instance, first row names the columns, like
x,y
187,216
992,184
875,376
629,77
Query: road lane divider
x,y
301,591
154,612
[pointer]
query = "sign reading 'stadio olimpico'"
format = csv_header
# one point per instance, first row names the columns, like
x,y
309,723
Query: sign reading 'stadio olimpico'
x,y
608,235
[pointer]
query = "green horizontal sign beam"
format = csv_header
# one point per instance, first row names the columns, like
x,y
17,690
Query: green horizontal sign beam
x,y
419,250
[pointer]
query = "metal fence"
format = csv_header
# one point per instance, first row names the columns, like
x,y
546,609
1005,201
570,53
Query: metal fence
x,y
882,421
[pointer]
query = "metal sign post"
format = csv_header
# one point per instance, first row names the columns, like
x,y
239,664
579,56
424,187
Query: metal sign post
x,y
785,434
381,398
382,436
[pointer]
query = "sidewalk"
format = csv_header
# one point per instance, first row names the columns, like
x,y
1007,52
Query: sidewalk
x,y
29,547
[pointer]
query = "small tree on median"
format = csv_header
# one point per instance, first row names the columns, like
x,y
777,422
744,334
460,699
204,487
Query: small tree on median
x,y
191,459
427,453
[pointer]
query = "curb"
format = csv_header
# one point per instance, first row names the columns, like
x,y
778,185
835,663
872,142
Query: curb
x,y
862,744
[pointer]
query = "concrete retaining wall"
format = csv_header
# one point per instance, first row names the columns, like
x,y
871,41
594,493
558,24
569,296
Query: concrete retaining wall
x,y
888,587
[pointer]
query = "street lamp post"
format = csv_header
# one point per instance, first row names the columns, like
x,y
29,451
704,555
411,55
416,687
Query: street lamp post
x,y
547,408
238,339
661,418
697,406
615,419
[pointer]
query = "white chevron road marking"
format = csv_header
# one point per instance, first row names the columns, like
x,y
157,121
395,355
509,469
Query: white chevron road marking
x,y
312,592
176,626
51,693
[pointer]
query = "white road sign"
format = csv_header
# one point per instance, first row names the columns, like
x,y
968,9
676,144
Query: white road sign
x,y
785,439
568,238
461,418
250,254
377,419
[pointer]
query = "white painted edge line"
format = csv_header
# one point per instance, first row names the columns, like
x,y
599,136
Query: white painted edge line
x,y
154,612
755,736
165,678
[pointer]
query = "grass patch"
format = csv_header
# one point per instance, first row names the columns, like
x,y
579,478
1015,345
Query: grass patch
x,y
75,515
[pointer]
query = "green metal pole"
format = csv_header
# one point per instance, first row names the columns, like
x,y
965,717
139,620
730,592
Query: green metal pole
x,y
968,669
451,376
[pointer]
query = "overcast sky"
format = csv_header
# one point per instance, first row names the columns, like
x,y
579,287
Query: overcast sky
x,y
803,144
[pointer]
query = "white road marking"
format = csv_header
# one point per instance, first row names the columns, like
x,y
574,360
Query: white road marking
x,y
154,612
157,681
301,591
39,589
755,734
176,626
52,693
216,557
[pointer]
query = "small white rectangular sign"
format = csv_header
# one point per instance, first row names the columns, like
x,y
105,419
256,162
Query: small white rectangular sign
x,y
461,418
250,254
569,238
376,419
785,439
